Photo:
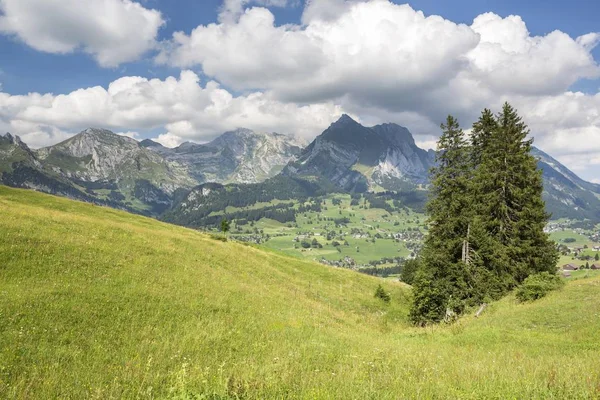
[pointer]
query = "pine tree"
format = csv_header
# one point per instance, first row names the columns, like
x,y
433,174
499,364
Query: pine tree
x,y
225,226
483,131
508,187
441,280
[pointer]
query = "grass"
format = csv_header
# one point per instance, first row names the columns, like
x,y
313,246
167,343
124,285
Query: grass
x,y
365,219
99,304
580,240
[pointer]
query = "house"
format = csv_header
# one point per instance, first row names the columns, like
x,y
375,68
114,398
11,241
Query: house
x,y
596,248
566,274
570,267
595,266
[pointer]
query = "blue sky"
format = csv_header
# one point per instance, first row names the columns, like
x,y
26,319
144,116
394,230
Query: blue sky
x,y
295,67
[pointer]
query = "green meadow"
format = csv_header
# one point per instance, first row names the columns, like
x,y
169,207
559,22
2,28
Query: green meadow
x,y
362,250
100,304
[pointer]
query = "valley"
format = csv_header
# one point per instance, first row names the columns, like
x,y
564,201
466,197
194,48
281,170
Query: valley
x,y
361,236
353,198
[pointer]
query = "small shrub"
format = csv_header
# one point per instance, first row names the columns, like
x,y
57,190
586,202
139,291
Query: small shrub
x,y
537,286
380,293
409,269
218,237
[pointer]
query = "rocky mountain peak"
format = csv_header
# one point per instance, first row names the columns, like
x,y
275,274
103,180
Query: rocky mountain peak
x,y
14,140
395,134
150,143
355,157
345,119
98,133
346,132
238,136
92,141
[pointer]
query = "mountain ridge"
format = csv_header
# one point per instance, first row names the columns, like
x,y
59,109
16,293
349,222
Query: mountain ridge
x,y
100,166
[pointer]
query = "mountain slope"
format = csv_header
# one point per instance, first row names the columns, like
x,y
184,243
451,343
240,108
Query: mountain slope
x,y
356,158
13,150
97,303
21,167
240,156
567,195
100,155
98,166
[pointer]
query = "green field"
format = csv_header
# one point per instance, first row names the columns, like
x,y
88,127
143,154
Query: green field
x,y
370,221
580,240
100,304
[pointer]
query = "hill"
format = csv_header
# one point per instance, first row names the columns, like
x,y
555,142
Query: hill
x,y
98,303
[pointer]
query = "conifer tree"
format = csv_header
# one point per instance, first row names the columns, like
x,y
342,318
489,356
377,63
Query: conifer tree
x,y
486,217
441,279
483,130
509,190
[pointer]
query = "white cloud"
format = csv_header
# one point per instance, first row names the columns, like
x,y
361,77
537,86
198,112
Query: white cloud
x,y
112,31
509,60
232,9
129,134
375,54
168,140
382,47
181,107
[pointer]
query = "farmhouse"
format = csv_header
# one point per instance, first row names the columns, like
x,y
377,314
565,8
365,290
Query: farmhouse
x,y
595,266
570,267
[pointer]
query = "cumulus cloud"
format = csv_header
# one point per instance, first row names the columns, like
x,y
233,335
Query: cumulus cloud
x,y
378,54
231,10
111,31
129,134
325,10
181,108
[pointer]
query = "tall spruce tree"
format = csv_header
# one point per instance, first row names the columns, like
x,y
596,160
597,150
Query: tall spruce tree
x,y
482,132
489,256
441,281
508,190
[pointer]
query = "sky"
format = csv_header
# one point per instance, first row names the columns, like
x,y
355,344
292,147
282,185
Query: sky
x,y
188,70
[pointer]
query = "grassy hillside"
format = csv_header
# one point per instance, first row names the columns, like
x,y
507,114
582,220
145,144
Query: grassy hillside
x,y
97,303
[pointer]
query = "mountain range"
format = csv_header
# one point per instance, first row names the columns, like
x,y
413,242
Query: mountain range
x,y
99,166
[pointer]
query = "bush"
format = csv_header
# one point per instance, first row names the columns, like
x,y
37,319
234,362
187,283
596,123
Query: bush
x,y
409,269
380,293
218,237
537,286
